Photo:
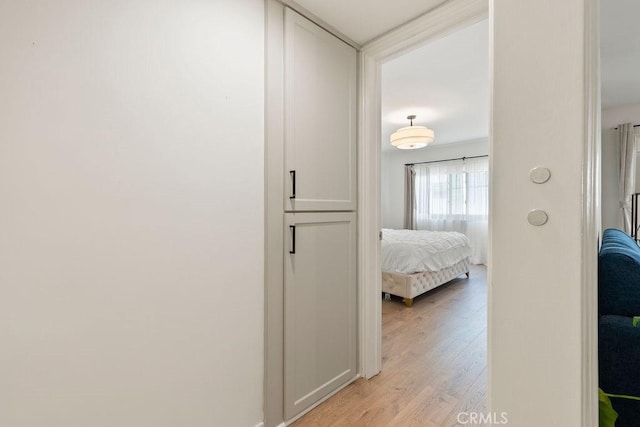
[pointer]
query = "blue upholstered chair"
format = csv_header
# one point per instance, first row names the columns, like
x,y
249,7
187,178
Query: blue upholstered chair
x,y
619,339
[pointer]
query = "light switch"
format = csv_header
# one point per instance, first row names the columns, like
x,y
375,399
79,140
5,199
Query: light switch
x,y
537,217
539,175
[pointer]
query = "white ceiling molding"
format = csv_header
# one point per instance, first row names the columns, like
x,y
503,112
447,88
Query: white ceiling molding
x,y
320,22
364,20
411,35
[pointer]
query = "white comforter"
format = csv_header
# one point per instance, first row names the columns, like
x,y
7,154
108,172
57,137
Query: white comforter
x,y
411,251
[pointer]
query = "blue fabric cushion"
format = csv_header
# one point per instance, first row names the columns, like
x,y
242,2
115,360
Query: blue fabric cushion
x,y
619,365
619,274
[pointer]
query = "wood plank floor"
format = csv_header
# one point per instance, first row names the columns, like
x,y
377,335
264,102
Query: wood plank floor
x,y
433,363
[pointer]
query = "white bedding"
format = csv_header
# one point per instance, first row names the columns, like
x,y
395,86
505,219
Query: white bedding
x,y
411,251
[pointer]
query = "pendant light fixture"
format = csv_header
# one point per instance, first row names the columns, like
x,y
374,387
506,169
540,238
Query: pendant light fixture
x,y
412,137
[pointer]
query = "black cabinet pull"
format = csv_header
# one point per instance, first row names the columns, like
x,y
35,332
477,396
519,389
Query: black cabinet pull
x,y
292,228
293,184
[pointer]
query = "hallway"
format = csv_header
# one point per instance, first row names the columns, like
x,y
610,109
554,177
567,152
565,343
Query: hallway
x,y
434,363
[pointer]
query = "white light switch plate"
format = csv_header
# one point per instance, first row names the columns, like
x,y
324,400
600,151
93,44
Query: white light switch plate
x,y
537,217
539,175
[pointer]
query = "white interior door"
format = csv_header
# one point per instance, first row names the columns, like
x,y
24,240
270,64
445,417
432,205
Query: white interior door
x,y
320,118
320,306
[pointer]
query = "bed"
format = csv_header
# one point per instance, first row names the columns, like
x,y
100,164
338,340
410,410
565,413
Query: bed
x,y
416,261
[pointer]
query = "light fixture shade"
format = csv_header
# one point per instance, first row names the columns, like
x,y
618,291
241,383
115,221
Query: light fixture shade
x,y
412,137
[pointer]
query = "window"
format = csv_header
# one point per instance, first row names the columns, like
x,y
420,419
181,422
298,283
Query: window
x,y
453,196
456,190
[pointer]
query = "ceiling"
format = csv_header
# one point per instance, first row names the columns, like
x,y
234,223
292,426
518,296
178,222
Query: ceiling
x,y
620,52
444,83
364,20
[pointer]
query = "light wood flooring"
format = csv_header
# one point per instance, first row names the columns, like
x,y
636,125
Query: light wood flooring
x,y
433,363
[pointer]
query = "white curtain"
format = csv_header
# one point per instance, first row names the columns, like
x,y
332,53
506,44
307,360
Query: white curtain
x,y
627,179
454,196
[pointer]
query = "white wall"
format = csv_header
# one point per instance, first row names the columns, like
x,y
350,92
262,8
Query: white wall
x,y
611,118
131,180
535,291
610,178
393,172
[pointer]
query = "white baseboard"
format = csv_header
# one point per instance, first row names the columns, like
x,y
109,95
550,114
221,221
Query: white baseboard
x,y
261,424
318,403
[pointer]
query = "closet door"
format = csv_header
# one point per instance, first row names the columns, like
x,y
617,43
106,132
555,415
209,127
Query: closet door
x,y
320,302
320,118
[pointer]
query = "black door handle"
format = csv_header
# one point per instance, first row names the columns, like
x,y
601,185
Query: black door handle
x,y
293,184
292,228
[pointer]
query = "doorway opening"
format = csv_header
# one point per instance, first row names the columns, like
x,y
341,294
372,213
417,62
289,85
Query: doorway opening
x,y
434,211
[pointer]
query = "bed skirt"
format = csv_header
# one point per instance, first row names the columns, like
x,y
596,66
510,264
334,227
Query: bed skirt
x,y
409,286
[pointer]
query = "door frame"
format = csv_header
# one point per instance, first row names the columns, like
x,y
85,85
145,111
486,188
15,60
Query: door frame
x,y
441,21
445,19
